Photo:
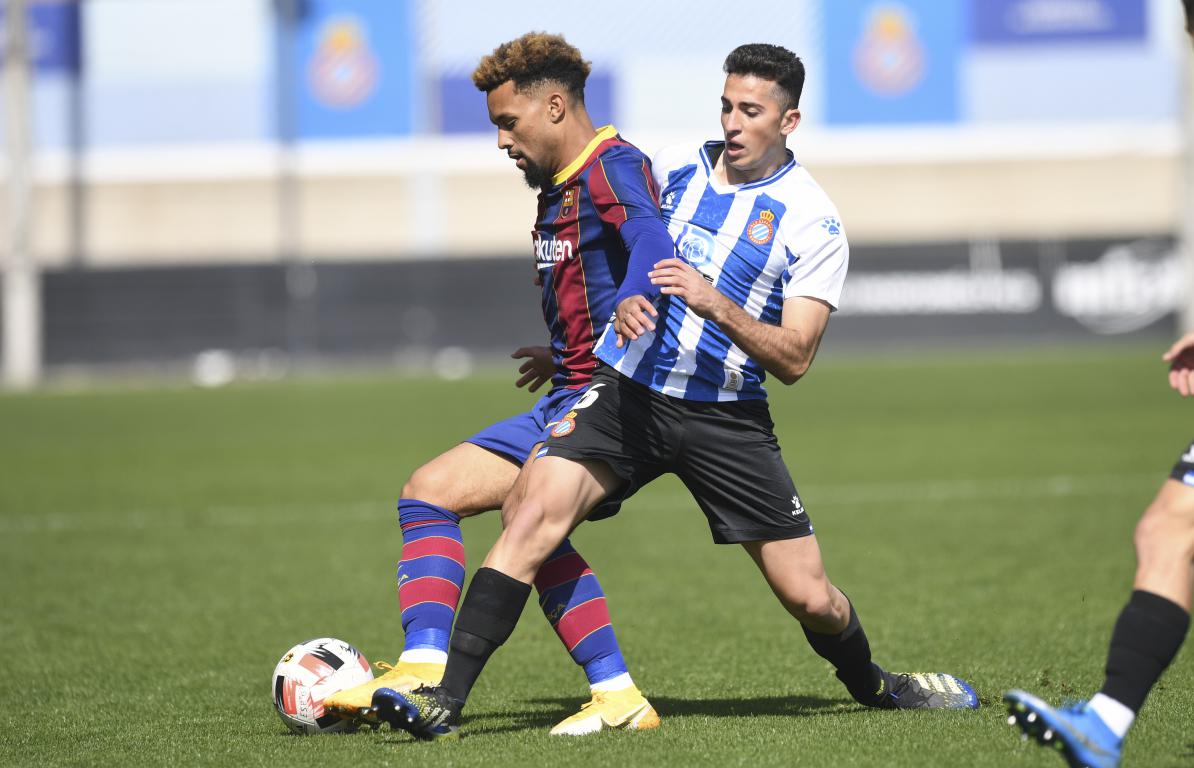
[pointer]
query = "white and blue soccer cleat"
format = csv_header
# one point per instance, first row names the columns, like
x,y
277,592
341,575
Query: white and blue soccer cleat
x,y
1075,731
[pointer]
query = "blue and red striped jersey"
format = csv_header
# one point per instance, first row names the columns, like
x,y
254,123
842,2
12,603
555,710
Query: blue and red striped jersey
x,y
579,252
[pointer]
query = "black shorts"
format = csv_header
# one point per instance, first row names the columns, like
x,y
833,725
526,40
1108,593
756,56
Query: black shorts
x,y
726,455
1183,470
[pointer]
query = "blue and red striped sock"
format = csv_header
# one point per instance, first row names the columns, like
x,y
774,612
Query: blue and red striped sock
x,y
430,578
572,599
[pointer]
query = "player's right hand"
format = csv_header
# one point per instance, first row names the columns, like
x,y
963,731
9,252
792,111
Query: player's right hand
x,y
537,370
1181,364
632,319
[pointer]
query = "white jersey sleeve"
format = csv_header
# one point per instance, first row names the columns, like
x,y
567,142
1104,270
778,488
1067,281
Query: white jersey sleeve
x,y
818,256
669,159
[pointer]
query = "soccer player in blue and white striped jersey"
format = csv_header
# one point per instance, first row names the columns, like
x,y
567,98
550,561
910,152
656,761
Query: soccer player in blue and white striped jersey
x,y
760,266
751,222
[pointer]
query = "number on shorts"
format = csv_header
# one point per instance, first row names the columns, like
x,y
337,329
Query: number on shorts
x,y
588,398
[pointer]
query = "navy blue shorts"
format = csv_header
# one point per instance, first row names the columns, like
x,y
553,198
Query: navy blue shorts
x,y
516,436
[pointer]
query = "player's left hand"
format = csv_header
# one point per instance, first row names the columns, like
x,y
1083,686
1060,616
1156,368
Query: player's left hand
x,y
537,370
632,318
677,277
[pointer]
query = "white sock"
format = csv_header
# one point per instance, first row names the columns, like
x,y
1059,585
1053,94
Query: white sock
x,y
1117,717
424,656
613,684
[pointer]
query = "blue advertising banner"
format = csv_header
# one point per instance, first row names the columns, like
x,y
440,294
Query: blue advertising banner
x,y
1003,22
892,61
356,65
54,41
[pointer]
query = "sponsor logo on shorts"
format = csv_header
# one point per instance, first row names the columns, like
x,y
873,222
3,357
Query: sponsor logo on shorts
x,y
798,507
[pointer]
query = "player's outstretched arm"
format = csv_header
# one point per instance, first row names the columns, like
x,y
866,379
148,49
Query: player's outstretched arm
x,y
538,368
785,350
647,242
1180,357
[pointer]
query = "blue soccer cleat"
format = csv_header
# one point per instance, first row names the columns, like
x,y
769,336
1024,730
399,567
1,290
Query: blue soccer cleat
x,y
427,712
1075,731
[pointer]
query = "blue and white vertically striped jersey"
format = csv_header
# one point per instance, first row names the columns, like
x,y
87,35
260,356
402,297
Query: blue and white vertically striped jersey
x,y
759,244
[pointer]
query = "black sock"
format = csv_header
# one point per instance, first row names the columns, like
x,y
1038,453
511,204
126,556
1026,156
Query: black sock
x,y
850,653
487,616
1147,636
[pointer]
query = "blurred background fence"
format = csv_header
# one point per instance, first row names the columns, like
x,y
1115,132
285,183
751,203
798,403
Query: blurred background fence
x,y
265,184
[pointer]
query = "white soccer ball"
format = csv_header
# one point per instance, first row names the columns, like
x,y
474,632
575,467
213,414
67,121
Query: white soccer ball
x,y
310,672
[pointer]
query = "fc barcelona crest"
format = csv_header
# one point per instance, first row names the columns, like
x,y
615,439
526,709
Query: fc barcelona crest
x,y
762,229
568,204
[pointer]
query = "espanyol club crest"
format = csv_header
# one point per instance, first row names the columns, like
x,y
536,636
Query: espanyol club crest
x,y
563,428
343,70
890,59
762,229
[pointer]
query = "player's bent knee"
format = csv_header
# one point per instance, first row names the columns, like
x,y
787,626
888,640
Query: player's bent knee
x,y
529,525
523,520
808,606
434,484
426,484
1166,527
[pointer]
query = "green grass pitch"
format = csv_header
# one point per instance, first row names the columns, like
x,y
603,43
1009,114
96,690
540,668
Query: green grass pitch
x,y
161,547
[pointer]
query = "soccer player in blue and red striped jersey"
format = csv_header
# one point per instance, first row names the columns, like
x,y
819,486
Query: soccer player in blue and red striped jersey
x,y
598,205
607,189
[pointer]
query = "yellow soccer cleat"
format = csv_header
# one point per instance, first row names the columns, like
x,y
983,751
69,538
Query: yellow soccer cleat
x,y
624,708
357,702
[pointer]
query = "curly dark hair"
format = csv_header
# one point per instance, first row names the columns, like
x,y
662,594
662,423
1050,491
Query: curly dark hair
x,y
532,59
770,62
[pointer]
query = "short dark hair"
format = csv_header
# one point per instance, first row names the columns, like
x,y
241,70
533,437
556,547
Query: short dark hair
x,y
770,62
532,59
